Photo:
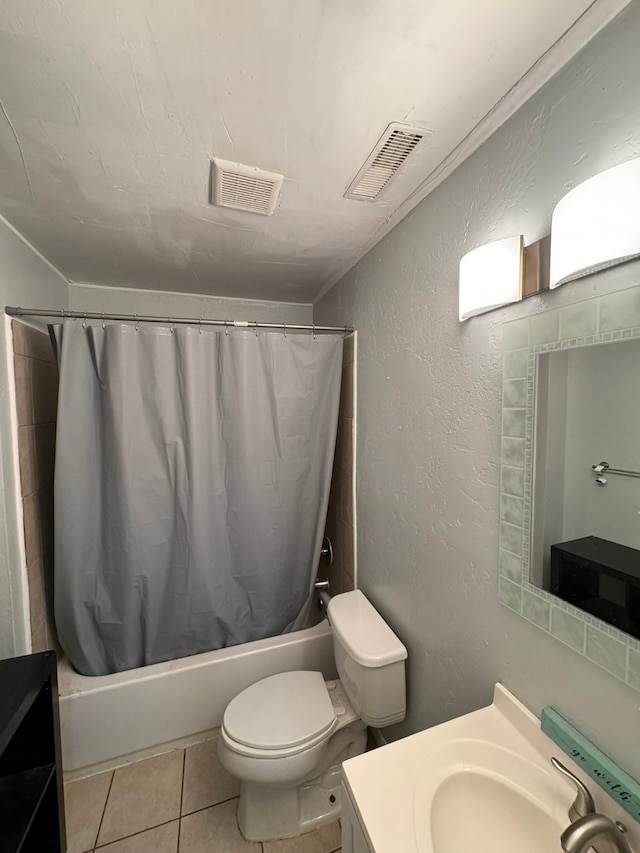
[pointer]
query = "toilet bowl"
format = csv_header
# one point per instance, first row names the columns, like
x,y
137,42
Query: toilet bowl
x,y
286,736
287,739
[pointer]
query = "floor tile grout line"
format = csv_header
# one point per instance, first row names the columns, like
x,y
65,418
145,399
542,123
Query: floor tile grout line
x,y
210,806
100,847
96,848
104,809
184,768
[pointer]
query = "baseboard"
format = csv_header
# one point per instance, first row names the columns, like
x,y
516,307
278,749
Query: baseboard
x,y
139,755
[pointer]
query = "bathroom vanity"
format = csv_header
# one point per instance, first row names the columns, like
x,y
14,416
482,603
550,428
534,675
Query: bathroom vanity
x,y
31,793
482,782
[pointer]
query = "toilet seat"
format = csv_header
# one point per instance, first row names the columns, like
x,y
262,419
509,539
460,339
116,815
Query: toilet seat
x,y
279,716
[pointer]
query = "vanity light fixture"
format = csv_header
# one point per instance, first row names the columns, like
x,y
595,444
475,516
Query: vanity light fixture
x,y
500,273
490,276
597,224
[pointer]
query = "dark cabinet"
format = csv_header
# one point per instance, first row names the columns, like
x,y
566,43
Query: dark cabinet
x,y
31,792
601,577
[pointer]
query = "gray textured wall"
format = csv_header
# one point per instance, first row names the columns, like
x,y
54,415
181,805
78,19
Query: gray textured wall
x,y
429,402
83,297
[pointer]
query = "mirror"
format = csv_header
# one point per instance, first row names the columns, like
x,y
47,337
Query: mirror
x,y
585,535
570,546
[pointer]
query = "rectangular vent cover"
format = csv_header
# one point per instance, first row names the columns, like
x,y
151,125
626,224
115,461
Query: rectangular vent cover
x,y
393,149
245,187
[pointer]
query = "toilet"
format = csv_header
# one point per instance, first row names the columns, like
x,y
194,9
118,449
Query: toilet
x,y
286,736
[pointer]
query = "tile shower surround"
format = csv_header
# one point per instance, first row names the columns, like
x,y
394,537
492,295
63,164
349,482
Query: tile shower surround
x,y
340,514
614,317
36,376
183,800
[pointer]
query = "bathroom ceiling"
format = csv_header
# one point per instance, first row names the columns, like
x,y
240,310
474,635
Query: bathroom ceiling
x,y
111,111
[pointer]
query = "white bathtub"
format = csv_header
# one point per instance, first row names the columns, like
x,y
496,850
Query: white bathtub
x,y
112,720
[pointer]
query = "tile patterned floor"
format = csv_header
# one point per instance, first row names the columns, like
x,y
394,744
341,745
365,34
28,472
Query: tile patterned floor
x,y
181,802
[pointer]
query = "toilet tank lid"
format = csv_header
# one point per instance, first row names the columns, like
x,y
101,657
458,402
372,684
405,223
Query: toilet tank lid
x,y
363,632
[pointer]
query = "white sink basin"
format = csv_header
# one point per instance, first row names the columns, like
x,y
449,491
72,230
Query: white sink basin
x,y
482,783
483,797
496,817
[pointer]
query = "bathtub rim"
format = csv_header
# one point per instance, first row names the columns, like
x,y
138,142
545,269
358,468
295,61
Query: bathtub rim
x,y
71,682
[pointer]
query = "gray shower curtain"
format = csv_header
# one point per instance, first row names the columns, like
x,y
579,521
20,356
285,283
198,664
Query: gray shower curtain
x,y
192,479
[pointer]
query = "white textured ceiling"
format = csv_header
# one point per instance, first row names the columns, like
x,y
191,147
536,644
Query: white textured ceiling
x,y
111,111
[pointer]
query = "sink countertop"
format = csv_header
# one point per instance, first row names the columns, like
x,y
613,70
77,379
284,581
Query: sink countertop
x,y
390,786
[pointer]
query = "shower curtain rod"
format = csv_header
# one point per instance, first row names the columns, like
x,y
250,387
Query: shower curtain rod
x,y
63,314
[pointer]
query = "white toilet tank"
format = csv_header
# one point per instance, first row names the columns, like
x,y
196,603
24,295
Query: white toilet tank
x,y
370,659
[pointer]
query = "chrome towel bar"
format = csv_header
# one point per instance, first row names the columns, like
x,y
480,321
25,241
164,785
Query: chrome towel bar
x,y
604,468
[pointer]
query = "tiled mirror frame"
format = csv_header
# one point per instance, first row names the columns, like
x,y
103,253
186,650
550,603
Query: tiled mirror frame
x,y
599,320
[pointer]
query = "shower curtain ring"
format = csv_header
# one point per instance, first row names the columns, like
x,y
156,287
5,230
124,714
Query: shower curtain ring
x,y
84,321
255,323
200,326
314,331
284,329
137,322
103,323
173,325
226,327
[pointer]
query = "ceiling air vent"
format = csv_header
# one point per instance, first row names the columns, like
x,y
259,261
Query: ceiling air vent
x,y
245,187
394,147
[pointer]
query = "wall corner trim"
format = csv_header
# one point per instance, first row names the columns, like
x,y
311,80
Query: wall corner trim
x,y
32,248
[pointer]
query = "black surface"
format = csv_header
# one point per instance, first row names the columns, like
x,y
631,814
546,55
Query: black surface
x,y
20,795
31,791
615,558
20,681
582,571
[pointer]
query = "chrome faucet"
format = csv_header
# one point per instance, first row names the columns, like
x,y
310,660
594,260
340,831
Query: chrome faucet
x,y
587,826
581,834
583,803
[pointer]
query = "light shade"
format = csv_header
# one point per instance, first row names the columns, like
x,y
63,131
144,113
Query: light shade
x,y
491,276
597,224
